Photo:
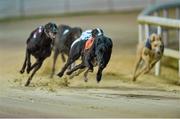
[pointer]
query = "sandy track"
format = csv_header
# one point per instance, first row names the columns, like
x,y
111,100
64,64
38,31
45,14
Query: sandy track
x,y
89,103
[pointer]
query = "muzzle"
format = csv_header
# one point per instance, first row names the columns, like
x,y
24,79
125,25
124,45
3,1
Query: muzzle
x,y
52,35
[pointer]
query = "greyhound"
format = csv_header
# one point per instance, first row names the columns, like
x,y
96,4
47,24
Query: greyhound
x,y
65,37
148,53
39,45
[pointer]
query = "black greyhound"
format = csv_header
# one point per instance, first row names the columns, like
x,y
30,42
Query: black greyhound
x,y
65,37
39,45
99,53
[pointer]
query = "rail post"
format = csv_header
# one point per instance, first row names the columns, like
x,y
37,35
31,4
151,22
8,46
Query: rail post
x,y
179,52
165,31
22,8
146,31
140,28
177,17
158,64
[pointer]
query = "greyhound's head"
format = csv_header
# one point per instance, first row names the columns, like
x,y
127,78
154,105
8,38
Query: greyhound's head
x,y
51,30
103,51
97,32
100,54
157,44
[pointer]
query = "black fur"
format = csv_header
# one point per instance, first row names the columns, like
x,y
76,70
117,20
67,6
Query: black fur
x,y
100,52
38,45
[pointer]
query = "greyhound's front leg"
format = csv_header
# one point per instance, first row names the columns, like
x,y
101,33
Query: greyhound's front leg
x,y
34,65
80,66
138,60
34,71
28,62
60,74
63,57
85,75
99,74
144,69
150,66
56,53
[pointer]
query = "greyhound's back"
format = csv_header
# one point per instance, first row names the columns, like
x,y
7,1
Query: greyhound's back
x,y
59,43
72,35
62,28
103,40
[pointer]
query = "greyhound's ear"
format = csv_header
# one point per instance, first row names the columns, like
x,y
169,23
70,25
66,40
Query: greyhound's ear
x,y
152,37
160,37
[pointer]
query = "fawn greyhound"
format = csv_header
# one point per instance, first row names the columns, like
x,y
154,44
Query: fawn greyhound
x,y
148,54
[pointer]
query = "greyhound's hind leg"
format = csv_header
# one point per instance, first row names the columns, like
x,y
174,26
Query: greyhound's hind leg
x,y
63,57
24,64
71,66
85,75
56,53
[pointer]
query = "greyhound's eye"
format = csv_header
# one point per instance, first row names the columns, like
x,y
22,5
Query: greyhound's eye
x,y
153,40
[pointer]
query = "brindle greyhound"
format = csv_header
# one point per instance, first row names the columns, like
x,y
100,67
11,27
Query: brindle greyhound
x,y
148,53
65,37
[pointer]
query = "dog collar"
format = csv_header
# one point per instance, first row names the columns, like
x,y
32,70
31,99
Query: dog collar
x,y
148,44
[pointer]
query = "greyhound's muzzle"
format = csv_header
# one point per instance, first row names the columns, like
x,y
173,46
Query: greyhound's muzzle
x,y
158,52
52,35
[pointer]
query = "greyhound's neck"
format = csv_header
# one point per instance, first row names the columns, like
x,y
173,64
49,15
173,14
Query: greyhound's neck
x,y
46,39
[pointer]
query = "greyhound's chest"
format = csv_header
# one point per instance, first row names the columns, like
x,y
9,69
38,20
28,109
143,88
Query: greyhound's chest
x,y
150,55
154,56
42,52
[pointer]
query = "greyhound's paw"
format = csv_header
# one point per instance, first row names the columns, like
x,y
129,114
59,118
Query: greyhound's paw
x,y
22,71
60,74
27,71
68,72
134,79
86,80
27,83
98,79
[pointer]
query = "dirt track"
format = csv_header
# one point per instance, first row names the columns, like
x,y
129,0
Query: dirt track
x,y
115,96
89,103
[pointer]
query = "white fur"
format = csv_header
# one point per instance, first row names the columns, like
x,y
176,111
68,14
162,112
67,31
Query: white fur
x,y
66,31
